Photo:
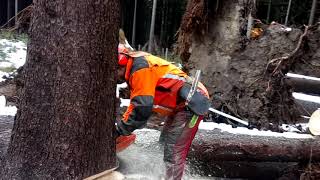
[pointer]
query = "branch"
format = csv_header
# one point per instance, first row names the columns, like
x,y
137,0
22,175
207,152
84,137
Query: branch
x,y
25,9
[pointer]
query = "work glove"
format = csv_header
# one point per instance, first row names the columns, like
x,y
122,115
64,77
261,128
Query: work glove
x,y
120,131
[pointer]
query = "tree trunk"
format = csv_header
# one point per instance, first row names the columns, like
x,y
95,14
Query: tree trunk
x,y
134,25
288,13
306,108
217,146
16,9
312,12
269,10
163,14
250,18
9,12
307,86
65,122
153,19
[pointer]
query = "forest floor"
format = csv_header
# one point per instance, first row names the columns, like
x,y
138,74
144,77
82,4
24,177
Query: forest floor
x,y
143,159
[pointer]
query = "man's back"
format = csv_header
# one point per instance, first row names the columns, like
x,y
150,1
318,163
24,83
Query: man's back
x,y
152,76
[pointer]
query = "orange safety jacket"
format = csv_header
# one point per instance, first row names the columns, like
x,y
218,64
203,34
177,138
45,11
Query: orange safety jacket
x,y
154,86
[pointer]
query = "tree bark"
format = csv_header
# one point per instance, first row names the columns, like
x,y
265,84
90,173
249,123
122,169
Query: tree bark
x,y
153,19
269,11
306,108
312,12
288,13
134,24
16,9
65,120
307,86
209,146
9,12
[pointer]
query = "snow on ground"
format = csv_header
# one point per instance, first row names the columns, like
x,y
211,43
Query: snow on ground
x,y
6,110
241,130
12,55
16,52
2,74
124,102
254,132
120,86
303,77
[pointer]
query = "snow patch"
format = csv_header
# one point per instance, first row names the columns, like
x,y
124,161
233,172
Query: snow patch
x,y
16,52
294,128
6,110
288,29
120,86
124,102
1,75
253,132
303,76
13,55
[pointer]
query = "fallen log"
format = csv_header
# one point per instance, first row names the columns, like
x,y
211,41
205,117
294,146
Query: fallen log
x,y
210,146
307,107
304,85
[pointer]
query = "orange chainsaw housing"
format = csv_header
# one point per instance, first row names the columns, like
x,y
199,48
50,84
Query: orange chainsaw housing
x,y
123,142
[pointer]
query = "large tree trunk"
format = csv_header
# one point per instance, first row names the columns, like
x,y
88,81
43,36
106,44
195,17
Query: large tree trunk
x,y
65,122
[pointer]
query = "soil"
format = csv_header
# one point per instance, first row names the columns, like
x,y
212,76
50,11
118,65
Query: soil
x,y
237,72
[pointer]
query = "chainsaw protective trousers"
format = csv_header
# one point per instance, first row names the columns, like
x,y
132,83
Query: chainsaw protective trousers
x,y
177,135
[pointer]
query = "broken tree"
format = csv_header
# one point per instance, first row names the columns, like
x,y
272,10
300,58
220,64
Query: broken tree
x,y
237,71
65,120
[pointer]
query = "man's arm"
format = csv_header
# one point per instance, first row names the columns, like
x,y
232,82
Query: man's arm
x,y
142,83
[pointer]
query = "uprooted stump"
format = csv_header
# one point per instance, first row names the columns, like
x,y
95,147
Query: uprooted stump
x,y
246,77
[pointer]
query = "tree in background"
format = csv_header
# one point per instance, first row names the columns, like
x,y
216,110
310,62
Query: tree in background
x,y
65,120
167,22
276,10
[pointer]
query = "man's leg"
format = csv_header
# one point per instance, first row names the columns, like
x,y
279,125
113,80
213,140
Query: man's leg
x,y
164,132
180,130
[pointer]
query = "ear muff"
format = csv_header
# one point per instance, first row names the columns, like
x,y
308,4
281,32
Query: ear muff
x,y
122,59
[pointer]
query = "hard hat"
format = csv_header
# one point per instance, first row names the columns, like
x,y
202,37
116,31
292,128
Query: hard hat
x,y
122,55
314,123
